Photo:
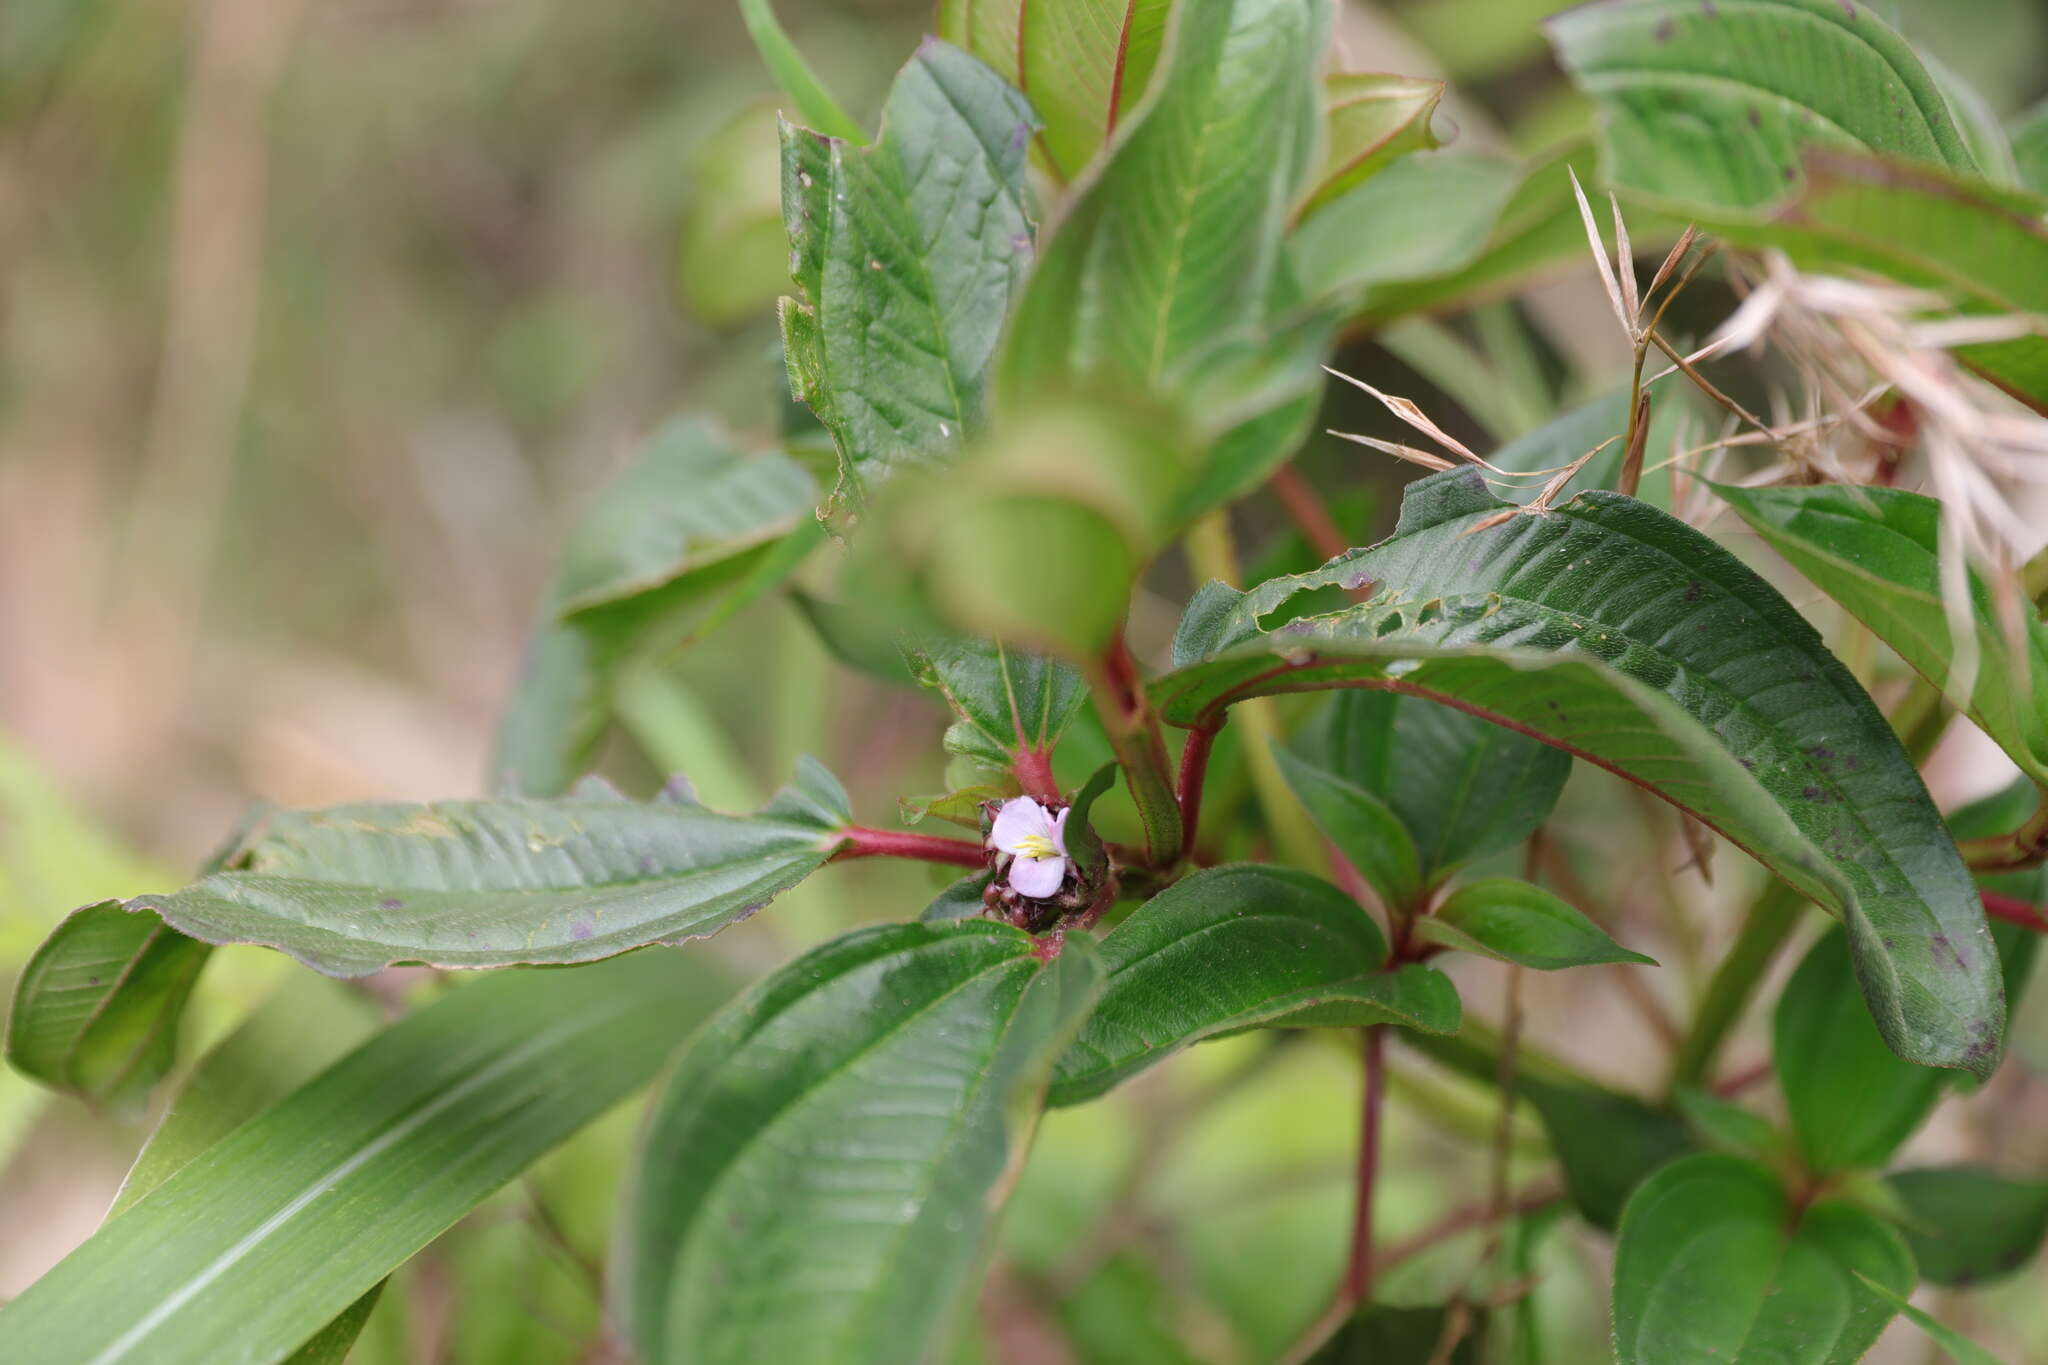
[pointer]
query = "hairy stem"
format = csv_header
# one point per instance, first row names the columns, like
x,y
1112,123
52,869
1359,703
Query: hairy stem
x,y
1194,772
1033,771
863,842
1771,921
1358,1274
1140,748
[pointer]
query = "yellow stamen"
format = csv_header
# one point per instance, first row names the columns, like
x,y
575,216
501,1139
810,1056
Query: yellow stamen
x,y
1036,847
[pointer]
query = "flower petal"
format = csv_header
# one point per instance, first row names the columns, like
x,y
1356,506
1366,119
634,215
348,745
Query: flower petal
x,y
1019,819
1059,831
1037,877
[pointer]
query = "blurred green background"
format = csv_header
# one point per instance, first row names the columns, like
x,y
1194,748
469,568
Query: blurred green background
x,y
319,322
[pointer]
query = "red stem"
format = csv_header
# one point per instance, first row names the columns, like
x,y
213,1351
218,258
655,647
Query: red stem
x,y
1194,771
862,842
1731,1086
1358,1275
2015,911
1307,510
1033,768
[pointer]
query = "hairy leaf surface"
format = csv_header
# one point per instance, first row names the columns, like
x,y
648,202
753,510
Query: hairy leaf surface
x,y
1008,700
1164,277
1612,630
1850,1100
1713,103
906,257
1363,828
693,531
1876,551
825,1168
1500,917
96,1010
1463,788
1968,1225
1713,1265
1236,947
351,889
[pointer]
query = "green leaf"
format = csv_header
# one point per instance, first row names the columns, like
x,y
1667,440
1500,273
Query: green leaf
x,y
1977,123
300,1029
1084,842
1363,828
1500,917
693,500
1612,630
255,1245
824,1170
961,806
1970,1226
1388,1335
1425,215
1726,1125
692,532
1010,702
1237,947
1535,230
960,900
96,1010
1085,64
1850,1100
1876,551
1369,120
1712,104
1464,788
814,104
906,257
331,1344
1162,277
2029,134
1960,1348
1713,1264
351,889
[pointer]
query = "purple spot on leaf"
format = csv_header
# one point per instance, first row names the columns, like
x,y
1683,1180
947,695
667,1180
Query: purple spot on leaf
x,y
581,931
392,903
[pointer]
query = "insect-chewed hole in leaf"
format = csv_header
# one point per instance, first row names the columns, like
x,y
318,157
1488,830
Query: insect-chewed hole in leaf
x,y
1389,623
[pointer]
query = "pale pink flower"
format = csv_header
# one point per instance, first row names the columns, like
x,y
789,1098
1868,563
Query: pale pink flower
x,y
1035,840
